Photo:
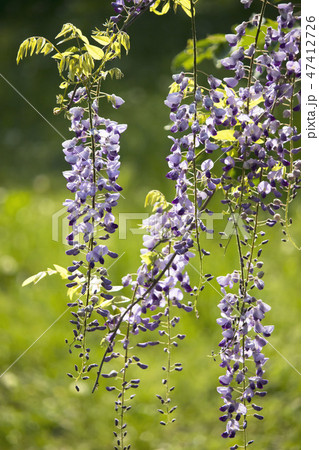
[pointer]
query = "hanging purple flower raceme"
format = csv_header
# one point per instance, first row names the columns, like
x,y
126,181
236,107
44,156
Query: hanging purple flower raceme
x,y
244,337
93,154
161,281
245,121
269,175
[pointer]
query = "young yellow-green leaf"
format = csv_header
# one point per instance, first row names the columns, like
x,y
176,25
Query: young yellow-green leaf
x,y
81,36
121,299
62,64
40,43
72,291
116,288
103,40
207,49
152,197
185,4
47,48
57,56
115,301
61,271
164,10
148,258
35,278
105,304
156,199
21,50
51,271
84,67
115,51
94,51
104,342
256,101
64,85
87,64
225,135
32,45
73,33
57,111
115,72
125,41
72,69
66,28
174,87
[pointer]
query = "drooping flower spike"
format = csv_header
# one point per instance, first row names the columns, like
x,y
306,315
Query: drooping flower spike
x,y
235,136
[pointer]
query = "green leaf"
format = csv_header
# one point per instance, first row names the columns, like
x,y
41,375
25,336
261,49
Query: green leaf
x,y
156,199
164,10
47,49
125,41
121,299
207,49
115,72
35,278
103,40
32,45
225,135
148,258
116,288
81,36
66,28
74,32
72,291
64,85
185,4
40,44
250,36
61,271
21,50
94,51
86,64
105,304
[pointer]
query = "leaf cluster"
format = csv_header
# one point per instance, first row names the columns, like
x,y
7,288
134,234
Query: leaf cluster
x,y
82,62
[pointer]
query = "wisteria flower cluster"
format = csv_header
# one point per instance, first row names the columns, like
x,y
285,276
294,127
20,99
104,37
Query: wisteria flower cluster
x,y
94,158
262,115
234,135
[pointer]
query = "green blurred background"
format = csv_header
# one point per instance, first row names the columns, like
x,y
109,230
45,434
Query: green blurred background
x,y
39,407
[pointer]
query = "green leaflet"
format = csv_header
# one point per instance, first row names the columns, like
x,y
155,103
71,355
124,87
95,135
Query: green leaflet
x,y
148,258
34,44
78,60
35,278
94,51
156,199
207,49
250,36
124,40
115,72
119,299
184,4
38,276
74,33
225,135
101,39
61,271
